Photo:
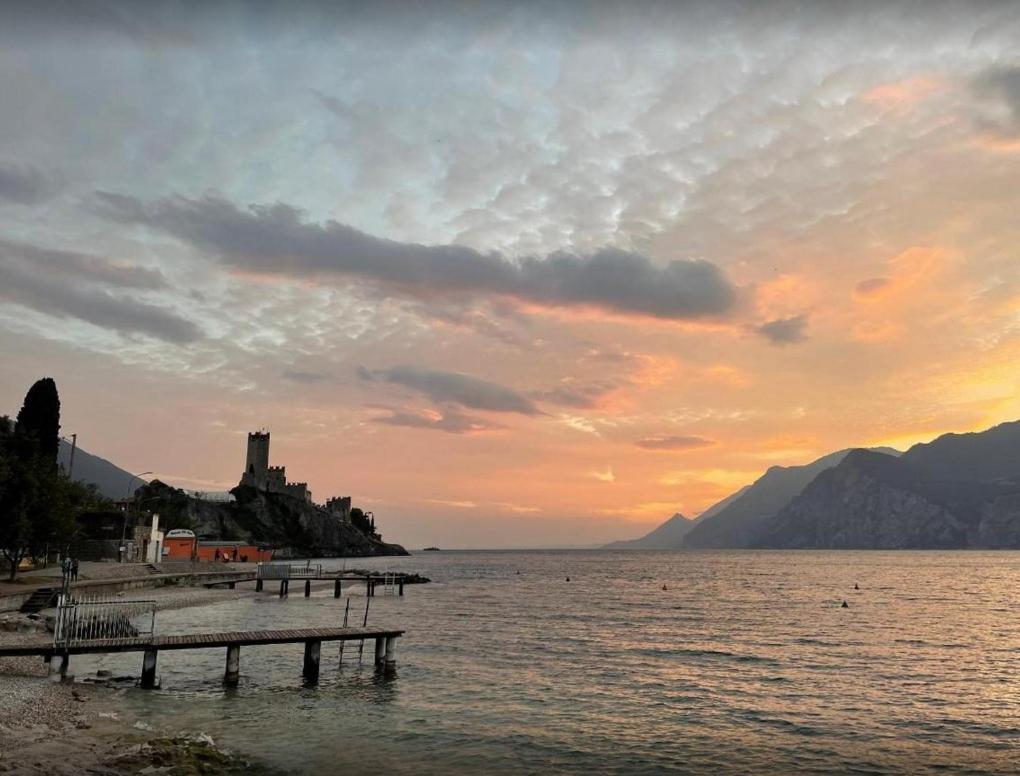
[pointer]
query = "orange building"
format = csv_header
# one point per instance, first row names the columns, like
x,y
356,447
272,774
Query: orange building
x,y
181,544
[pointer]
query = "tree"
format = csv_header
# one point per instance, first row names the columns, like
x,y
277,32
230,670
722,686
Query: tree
x,y
361,521
18,492
37,501
39,418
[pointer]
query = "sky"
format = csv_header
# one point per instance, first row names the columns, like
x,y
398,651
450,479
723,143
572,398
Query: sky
x,y
527,274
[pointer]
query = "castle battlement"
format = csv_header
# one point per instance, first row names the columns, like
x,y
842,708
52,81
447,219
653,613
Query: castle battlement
x,y
340,507
260,475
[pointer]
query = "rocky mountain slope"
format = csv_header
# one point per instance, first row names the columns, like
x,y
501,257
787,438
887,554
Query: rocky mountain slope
x,y
961,490
292,525
737,524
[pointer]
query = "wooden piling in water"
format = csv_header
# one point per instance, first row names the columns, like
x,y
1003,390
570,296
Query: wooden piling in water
x,y
313,649
284,588
233,670
380,650
390,656
337,588
149,669
58,667
308,588
258,585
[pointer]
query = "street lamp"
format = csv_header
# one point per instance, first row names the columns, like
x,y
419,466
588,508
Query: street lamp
x,y
133,478
123,526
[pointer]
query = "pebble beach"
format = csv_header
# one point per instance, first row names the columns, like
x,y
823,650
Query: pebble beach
x,y
81,725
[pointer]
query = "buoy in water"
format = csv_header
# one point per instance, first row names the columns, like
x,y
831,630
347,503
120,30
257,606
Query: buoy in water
x,y
568,579
664,587
845,605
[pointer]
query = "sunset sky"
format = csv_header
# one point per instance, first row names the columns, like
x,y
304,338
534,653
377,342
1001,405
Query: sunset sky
x,y
510,275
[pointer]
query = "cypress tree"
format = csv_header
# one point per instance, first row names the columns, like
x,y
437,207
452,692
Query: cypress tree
x,y
39,418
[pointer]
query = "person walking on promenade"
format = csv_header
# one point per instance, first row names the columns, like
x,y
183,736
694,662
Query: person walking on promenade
x,y
74,569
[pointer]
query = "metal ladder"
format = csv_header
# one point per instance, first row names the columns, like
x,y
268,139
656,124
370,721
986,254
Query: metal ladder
x,y
364,624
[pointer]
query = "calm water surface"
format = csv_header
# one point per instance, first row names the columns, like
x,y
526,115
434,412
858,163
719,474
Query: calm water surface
x,y
745,663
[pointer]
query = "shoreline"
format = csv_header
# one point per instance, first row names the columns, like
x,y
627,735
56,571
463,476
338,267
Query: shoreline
x,y
77,726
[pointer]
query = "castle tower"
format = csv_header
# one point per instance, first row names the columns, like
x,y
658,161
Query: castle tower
x,y
256,463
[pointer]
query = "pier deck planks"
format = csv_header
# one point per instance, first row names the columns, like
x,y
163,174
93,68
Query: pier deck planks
x,y
200,641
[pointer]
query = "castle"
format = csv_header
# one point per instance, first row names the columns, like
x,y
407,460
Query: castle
x,y
260,475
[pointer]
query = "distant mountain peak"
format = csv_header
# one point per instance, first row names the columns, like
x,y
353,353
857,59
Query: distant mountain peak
x,y
668,536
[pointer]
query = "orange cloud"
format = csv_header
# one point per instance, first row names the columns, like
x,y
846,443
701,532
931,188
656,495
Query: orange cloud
x,y
786,294
906,269
900,96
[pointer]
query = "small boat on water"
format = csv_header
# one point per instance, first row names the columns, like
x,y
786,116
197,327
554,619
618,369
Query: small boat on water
x,y
431,549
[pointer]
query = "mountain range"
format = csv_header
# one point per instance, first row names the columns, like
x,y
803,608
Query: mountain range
x,y
958,491
670,535
112,481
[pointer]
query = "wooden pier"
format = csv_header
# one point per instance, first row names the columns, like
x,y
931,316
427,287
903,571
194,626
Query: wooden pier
x,y
267,573
312,638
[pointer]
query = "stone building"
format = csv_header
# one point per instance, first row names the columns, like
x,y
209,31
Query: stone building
x,y
260,475
340,507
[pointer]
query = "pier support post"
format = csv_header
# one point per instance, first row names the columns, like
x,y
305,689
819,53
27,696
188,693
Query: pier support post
x,y
390,658
380,650
401,587
149,669
284,584
308,588
258,585
336,588
58,666
233,672
311,668
231,585
370,589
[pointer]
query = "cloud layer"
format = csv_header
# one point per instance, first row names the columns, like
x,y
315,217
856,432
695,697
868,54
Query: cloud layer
x,y
454,387
24,184
674,443
785,331
75,285
276,239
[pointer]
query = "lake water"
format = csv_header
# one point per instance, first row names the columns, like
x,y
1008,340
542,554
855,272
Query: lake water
x,y
746,662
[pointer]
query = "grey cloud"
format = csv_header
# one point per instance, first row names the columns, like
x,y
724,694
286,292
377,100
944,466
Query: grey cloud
x,y
1004,84
81,266
785,331
674,443
449,421
870,286
579,396
456,388
63,298
300,376
24,184
276,239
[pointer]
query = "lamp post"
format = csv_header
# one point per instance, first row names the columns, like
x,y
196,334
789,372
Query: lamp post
x,y
123,526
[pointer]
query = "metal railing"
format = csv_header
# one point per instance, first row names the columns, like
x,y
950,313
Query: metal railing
x,y
287,570
81,620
